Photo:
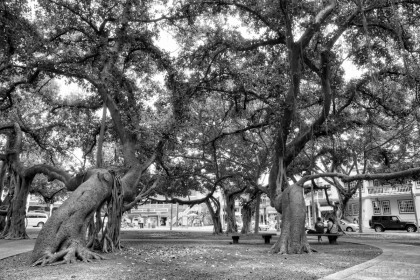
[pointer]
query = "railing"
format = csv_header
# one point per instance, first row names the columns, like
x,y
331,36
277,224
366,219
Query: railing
x,y
388,189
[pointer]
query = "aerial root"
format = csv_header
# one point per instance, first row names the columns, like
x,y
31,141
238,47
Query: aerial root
x,y
67,256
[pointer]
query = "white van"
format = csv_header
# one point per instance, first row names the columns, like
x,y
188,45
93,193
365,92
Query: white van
x,y
36,219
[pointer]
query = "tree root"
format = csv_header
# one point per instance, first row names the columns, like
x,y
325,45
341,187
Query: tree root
x,y
69,255
10,236
283,250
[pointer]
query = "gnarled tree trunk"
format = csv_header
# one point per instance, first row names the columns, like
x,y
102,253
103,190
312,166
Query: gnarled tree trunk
x,y
63,238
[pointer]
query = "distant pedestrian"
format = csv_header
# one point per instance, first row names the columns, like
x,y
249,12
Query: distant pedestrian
x,y
355,221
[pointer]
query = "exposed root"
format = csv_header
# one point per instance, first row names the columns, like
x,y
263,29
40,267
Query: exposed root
x,y
14,236
308,249
275,249
283,249
69,255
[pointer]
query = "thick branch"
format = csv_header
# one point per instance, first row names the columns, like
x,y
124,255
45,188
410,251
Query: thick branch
x,y
349,178
316,24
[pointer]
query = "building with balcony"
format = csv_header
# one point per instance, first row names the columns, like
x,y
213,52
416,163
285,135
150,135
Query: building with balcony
x,y
376,198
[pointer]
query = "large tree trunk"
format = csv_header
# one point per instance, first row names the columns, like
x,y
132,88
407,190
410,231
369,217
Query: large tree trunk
x,y
63,238
293,237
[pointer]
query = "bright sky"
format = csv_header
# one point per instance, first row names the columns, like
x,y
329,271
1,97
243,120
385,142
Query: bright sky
x,y
351,71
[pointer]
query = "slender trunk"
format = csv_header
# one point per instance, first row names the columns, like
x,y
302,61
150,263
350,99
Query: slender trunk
x,y
257,213
230,214
246,213
2,173
215,215
99,158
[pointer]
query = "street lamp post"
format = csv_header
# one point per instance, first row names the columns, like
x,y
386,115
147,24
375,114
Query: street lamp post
x,y
414,206
170,225
360,209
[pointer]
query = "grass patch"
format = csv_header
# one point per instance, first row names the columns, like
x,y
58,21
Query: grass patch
x,y
184,255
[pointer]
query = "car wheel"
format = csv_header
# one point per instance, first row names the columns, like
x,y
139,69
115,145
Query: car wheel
x,y
379,229
349,229
41,225
411,229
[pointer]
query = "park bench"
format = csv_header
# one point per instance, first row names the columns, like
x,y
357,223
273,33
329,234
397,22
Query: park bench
x,y
235,239
326,234
267,237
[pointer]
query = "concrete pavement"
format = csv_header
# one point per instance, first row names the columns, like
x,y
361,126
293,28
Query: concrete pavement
x,y
10,248
398,261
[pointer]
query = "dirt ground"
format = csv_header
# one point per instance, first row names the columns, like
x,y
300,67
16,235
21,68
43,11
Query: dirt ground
x,y
186,255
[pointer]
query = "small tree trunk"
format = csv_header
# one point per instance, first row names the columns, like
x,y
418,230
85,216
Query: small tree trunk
x,y
99,158
215,216
257,213
63,238
246,212
293,238
230,214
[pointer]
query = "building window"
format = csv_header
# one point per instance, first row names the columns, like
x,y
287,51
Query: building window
x,y
355,207
418,184
375,183
386,209
352,184
376,208
348,210
406,206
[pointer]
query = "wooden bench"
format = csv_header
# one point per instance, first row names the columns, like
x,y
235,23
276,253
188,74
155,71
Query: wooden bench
x,y
326,234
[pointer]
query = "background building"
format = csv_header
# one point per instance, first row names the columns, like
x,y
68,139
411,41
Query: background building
x,y
377,199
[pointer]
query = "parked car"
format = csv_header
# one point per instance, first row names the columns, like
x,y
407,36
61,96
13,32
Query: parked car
x,y
348,226
35,219
382,223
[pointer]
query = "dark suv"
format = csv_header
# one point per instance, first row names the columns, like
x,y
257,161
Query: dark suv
x,y
381,223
